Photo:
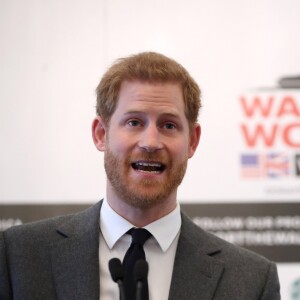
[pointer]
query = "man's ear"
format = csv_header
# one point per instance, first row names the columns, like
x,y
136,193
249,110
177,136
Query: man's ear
x,y
99,133
194,139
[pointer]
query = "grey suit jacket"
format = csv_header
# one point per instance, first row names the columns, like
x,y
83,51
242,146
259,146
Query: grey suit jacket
x,y
58,259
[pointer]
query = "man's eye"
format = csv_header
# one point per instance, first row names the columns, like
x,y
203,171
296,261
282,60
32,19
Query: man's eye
x,y
134,123
170,126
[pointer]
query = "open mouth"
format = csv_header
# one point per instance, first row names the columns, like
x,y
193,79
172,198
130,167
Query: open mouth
x,y
149,167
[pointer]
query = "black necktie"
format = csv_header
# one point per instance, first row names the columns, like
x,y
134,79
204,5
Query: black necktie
x,y
134,253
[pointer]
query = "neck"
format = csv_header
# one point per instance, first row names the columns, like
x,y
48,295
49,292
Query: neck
x,y
140,216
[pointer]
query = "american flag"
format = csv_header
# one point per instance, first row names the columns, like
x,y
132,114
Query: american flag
x,y
271,165
251,166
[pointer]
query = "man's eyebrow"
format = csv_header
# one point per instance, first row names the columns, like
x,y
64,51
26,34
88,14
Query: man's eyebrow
x,y
138,112
133,112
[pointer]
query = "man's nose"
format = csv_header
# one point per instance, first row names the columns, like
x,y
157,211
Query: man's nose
x,y
150,139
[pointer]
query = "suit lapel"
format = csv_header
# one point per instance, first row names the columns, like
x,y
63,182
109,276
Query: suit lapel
x,y
75,260
75,257
196,273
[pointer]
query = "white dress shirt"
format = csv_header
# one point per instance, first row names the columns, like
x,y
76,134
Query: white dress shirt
x,y
160,250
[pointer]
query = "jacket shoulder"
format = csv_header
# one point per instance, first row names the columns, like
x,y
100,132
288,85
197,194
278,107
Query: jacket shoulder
x,y
215,246
47,229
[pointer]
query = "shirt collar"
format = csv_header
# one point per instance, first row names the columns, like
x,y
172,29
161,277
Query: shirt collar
x,y
164,230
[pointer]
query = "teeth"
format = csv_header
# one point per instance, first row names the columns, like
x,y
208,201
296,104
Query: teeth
x,y
152,167
149,164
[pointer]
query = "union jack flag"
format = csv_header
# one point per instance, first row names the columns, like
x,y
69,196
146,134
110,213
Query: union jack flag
x,y
277,165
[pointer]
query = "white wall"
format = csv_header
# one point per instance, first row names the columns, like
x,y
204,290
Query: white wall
x,y
53,54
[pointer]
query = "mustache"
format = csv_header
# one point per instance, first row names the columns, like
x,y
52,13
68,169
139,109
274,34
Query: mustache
x,y
148,156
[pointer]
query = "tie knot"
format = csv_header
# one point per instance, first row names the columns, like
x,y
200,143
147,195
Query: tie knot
x,y
139,235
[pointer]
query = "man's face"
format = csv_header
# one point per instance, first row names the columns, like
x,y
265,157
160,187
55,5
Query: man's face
x,y
148,143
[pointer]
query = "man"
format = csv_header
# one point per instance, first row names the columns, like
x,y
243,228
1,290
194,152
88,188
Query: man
x,y
146,125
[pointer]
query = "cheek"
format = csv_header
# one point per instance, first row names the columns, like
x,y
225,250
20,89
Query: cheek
x,y
119,144
184,147
180,149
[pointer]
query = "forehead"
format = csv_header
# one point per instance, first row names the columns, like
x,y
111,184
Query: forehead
x,y
151,95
